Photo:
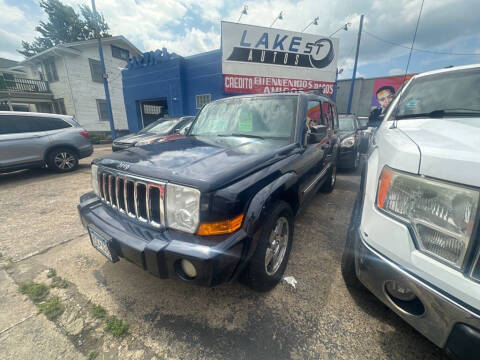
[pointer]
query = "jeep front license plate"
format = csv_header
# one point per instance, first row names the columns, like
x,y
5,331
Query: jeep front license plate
x,y
101,244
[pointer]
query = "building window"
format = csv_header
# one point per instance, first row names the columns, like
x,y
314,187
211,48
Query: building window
x,y
50,69
96,70
59,106
201,100
102,110
120,53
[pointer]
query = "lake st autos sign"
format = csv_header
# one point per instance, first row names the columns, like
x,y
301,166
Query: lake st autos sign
x,y
265,60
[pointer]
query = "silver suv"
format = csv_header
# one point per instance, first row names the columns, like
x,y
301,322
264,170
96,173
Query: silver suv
x,y
29,140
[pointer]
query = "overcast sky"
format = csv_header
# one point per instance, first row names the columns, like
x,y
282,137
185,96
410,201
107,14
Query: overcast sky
x,y
191,26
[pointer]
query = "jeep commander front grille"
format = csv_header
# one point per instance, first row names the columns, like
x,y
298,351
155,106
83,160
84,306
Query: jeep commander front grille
x,y
136,197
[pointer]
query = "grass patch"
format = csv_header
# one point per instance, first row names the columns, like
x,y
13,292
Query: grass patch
x,y
51,273
58,282
99,312
116,326
52,308
8,265
36,292
1,255
92,354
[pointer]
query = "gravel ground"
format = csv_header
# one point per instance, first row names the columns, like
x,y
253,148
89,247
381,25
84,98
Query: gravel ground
x,y
320,319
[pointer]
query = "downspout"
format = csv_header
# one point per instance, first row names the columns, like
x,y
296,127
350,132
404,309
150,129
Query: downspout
x,y
70,87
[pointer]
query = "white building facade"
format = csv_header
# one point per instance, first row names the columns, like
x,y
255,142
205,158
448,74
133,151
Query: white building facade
x,y
75,80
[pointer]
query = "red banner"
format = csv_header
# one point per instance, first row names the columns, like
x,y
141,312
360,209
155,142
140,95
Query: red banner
x,y
244,84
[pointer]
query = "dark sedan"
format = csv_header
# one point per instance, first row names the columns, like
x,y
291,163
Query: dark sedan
x,y
153,132
350,138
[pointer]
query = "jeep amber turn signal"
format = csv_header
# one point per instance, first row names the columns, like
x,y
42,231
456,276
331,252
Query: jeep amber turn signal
x,y
221,227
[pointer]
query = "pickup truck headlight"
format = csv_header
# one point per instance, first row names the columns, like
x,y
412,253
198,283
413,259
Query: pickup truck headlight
x,y
182,208
94,179
442,215
348,142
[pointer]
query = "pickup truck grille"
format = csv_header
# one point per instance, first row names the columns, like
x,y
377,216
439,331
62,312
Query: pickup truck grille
x,y
136,197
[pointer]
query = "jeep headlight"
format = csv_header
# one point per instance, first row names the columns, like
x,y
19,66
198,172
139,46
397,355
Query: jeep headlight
x,y
348,142
182,208
94,179
442,215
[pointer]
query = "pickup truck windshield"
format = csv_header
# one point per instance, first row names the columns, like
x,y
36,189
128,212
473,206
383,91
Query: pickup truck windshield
x,y
260,117
451,94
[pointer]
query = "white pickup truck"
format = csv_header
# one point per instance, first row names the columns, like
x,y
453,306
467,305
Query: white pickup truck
x,y
414,237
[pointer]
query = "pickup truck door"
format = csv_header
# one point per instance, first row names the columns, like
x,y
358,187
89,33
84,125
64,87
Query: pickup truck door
x,y
316,147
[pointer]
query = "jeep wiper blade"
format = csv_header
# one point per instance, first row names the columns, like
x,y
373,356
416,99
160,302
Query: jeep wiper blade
x,y
441,113
242,135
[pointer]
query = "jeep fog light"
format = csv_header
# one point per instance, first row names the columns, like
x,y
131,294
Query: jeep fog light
x,y
188,268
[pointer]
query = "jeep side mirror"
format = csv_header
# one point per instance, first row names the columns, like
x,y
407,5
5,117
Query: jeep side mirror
x,y
319,129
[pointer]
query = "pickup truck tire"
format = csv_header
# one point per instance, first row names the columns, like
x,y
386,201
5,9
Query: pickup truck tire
x,y
330,181
348,257
268,262
62,159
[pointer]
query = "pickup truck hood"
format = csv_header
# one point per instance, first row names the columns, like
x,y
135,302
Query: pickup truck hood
x,y
207,163
449,147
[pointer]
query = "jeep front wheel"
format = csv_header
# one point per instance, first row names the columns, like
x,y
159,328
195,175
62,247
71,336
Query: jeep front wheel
x,y
270,259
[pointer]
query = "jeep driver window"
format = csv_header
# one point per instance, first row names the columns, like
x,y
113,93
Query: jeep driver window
x,y
314,114
327,115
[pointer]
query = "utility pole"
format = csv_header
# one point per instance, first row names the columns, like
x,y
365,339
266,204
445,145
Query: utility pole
x,y
104,73
352,87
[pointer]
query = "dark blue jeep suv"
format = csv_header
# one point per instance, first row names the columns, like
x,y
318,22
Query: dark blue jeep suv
x,y
218,204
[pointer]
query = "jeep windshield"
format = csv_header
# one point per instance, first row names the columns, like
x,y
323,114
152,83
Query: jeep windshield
x,y
451,94
256,117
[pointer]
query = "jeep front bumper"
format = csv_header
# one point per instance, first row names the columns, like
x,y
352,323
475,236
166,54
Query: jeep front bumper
x,y
217,259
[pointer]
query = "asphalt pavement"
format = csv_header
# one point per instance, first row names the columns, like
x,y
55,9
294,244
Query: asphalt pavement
x,y
319,319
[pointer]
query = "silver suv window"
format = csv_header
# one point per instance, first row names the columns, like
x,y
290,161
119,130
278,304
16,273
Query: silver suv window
x,y
13,124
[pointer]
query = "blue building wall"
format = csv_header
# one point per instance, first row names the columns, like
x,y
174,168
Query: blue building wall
x,y
161,75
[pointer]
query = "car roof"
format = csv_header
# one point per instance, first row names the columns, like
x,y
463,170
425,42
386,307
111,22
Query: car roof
x,y
37,114
449,69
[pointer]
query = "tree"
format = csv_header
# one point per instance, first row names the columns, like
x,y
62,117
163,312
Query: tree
x,y
64,25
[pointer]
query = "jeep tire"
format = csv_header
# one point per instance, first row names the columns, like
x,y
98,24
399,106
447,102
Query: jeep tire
x,y
268,263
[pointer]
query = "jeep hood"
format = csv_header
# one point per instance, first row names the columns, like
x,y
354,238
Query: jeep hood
x,y
207,163
449,147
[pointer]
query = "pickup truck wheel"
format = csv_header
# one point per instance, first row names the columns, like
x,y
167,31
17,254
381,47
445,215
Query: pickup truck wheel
x,y
348,257
269,261
330,181
62,160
